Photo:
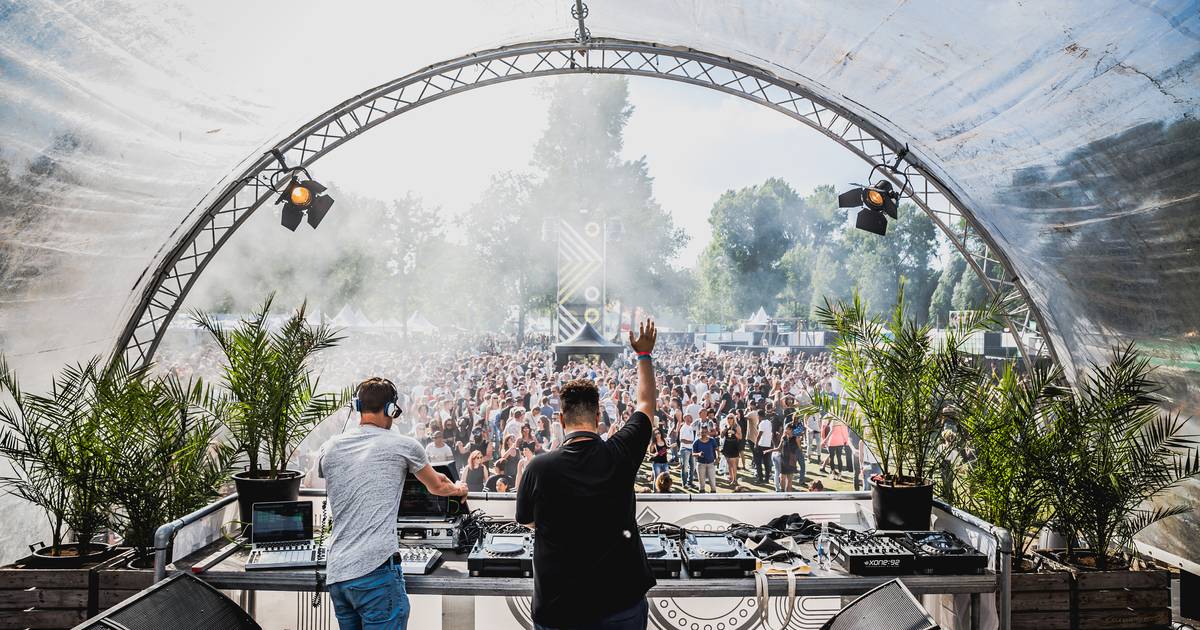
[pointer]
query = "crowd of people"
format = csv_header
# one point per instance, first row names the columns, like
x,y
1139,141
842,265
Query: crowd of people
x,y
730,419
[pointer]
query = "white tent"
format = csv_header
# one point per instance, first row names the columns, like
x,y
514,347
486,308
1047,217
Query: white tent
x,y
418,323
760,317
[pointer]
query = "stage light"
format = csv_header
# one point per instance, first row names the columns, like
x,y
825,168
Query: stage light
x,y
876,202
301,198
871,221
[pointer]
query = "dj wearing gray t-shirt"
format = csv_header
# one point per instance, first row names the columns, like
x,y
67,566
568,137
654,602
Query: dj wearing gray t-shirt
x,y
364,471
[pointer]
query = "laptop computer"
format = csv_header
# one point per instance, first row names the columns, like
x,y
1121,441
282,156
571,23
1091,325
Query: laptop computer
x,y
427,519
281,537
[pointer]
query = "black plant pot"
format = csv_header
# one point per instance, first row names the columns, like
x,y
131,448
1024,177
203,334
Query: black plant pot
x,y
906,507
44,557
251,490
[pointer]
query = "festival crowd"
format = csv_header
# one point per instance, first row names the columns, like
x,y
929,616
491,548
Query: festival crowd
x,y
483,414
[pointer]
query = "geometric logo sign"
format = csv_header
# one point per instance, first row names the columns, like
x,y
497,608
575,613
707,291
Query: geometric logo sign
x,y
581,290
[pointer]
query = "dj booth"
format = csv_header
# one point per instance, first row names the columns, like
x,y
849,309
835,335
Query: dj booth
x,y
450,597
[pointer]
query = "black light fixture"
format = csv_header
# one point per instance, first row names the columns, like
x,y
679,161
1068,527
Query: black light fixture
x,y
877,202
300,197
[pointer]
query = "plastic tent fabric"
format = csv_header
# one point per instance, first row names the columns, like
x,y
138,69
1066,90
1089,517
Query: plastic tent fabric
x,y
1067,129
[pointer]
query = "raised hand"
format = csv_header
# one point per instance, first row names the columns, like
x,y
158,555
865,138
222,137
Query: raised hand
x,y
647,335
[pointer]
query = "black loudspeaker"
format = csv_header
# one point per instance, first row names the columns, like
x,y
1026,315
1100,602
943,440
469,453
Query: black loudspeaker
x,y
180,602
890,606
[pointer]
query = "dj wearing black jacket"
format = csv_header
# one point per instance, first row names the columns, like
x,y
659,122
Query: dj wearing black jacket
x,y
589,567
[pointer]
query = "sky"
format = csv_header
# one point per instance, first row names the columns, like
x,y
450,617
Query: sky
x,y
698,144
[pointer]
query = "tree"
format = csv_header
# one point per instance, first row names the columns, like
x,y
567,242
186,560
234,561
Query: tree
x,y
504,231
752,230
411,235
579,166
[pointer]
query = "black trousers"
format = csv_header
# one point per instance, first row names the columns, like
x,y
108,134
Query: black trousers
x,y
762,464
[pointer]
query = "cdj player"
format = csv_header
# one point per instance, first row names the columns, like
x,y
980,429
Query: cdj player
x,y
663,555
502,555
943,553
717,555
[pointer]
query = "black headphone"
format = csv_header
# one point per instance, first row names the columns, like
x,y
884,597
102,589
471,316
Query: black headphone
x,y
391,409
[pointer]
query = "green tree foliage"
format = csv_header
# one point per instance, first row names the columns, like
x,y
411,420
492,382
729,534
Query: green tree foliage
x,y
826,257
577,165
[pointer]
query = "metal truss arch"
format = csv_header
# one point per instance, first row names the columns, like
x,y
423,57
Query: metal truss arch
x,y
178,270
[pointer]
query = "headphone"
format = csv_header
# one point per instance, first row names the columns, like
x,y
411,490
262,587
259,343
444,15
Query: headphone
x,y
391,409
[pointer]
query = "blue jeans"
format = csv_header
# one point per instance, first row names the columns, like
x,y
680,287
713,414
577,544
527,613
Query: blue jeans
x,y
658,468
632,618
375,601
687,466
777,466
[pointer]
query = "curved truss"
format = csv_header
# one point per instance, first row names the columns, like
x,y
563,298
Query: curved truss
x,y
177,272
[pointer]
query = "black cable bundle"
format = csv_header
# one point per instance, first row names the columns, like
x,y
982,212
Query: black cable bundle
x,y
477,523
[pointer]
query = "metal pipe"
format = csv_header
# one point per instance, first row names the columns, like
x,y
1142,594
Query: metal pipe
x,y
1004,598
1004,551
164,536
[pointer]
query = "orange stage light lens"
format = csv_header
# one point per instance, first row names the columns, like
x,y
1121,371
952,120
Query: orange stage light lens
x,y
874,197
301,196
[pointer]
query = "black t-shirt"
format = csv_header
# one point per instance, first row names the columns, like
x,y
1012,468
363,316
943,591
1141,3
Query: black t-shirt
x,y
581,499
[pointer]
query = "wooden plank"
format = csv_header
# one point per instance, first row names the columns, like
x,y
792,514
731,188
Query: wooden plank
x,y
44,598
1125,598
111,598
1091,581
45,578
1040,582
1124,618
41,619
126,579
1041,600
1056,620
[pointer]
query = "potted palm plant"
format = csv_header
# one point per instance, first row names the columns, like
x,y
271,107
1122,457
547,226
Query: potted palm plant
x,y
271,400
166,460
1109,453
899,385
1005,419
54,443
1117,453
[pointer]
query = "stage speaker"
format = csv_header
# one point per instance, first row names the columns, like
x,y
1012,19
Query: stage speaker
x,y
890,606
180,602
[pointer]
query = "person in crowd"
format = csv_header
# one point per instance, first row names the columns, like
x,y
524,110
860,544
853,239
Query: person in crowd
x,y
527,440
509,456
731,449
498,481
580,501
365,470
663,483
838,440
756,459
687,464
658,452
706,457
441,456
526,457
475,472
764,448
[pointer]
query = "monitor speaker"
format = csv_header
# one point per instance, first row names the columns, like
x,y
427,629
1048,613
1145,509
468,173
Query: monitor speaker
x,y
180,602
890,606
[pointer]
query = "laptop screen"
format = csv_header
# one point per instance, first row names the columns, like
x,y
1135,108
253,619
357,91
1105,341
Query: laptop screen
x,y
283,521
417,501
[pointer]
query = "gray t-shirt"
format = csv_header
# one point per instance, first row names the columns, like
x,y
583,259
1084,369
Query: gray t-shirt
x,y
364,471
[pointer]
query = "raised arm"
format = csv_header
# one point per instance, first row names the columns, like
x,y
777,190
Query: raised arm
x,y
647,390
